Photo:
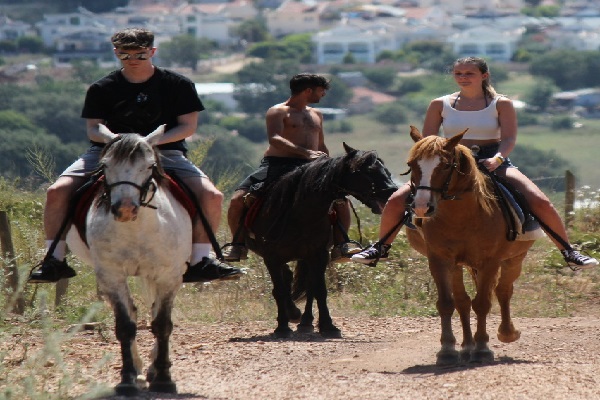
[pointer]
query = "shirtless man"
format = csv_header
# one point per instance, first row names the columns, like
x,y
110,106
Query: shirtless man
x,y
295,133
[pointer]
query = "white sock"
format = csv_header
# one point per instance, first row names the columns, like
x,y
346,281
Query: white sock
x,y
199,251
59,251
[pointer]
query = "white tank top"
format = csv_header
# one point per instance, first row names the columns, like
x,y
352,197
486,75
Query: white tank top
x,y
482,124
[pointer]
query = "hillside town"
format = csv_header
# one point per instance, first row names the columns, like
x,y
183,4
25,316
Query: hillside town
x,y
363,29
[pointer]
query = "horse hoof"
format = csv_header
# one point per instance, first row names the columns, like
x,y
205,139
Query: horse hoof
x,y
509,337
331,333
163,387
294,314
484,356
283,333
447,358
127,389
308,328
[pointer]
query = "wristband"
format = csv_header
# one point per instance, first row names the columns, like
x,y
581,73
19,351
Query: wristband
x,y
500,158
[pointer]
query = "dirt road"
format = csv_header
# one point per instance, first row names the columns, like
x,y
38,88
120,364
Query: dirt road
x,y
388,358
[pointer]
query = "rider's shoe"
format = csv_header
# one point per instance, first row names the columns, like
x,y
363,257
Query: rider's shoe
x,y
344,251
372,254
235,252
578,260
210,269
50,270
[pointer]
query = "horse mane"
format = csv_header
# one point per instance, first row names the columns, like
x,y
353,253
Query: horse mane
x,y
316,176
128,147
431,146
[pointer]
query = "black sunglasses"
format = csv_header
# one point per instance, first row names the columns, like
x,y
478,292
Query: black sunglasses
x,y
138,56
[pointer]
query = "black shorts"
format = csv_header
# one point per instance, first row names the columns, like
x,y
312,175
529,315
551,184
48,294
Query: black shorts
x,y
270,169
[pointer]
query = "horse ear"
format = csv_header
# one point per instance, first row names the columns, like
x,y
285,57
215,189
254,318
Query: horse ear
x,y
454,140
415,134
348,148
156,135
106,133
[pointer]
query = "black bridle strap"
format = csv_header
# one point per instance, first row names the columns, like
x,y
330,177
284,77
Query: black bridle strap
x,y
148,186
445,187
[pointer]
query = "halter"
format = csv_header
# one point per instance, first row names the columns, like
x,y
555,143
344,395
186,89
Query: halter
x,y
453,165
148,187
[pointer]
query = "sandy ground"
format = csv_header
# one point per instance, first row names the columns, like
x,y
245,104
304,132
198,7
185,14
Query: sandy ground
x,y
377,358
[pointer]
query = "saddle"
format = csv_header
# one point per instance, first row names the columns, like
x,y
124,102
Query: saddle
x,y
254,200
85,196
521,223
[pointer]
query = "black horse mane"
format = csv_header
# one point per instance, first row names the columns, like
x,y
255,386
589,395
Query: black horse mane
x,y
318,176
128,147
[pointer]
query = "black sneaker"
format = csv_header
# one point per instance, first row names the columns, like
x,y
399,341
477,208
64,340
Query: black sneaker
x,y
210,269
50,270
578,260
372,254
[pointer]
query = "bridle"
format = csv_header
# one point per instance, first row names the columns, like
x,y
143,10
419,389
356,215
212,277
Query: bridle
x,y
148,188
374,193
453,165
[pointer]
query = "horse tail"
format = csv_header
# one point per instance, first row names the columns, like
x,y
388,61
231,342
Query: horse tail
x,y
300,281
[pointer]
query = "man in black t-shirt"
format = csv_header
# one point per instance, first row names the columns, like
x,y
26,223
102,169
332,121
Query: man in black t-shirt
x,y
138,98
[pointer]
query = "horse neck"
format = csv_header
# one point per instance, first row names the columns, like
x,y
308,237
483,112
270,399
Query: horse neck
x,y
472,186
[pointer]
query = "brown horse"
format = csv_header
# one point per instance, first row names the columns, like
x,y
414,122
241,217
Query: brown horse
x,y
459,224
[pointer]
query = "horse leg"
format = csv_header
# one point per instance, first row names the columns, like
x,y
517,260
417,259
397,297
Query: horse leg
x,y
282,296
306,322
319,290
302,275
482,304
440,271
125,331
159,374
462,304
509,272
293,312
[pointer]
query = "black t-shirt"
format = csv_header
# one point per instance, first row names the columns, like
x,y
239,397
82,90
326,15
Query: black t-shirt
x,y
142,107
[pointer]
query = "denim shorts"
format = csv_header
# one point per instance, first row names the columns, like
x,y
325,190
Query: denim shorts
x,y
172,160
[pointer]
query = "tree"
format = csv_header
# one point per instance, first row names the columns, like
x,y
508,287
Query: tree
x,y
263,84
338,95
383,78
30,44
568,69
252,31
391,114
185,50
540,95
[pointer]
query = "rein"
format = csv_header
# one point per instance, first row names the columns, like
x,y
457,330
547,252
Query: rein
x,y
445,187
147,188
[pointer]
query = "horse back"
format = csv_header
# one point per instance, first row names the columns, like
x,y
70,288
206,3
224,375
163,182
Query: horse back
x,y
465,234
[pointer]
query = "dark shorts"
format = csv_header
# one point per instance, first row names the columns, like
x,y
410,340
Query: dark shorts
x,y
489,151
172,160
270,169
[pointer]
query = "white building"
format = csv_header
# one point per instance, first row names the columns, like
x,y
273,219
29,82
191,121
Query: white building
x,y
294,17
363,41
490,43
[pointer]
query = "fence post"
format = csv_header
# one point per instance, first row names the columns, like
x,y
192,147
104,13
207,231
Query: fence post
x,y
569,197
11,271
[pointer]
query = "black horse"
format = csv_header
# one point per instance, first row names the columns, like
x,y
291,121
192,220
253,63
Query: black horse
x,y
293,224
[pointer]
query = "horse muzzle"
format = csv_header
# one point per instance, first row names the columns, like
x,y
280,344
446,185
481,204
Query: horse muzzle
x,y
125,210
424,211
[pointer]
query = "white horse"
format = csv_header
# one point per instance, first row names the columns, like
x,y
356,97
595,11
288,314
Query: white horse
x,y
135,227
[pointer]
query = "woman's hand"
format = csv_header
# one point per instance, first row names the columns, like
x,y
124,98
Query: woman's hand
x,y
491,164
